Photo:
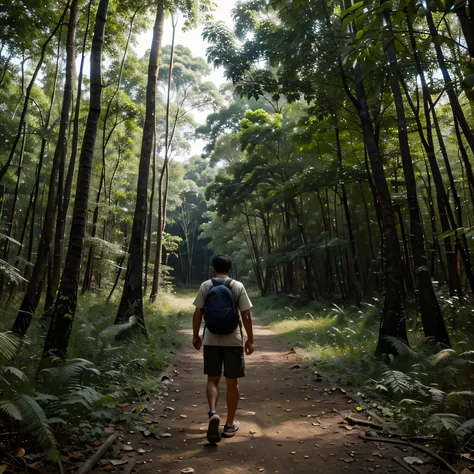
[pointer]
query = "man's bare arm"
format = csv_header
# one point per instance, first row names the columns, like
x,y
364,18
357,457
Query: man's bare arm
x,y
197,319
247,322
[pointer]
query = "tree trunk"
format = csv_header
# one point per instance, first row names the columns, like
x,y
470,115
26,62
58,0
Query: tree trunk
x,y
354,255
392,322
444,209
163,196
62,146
105,142
34,288
430,311
11,225
65,304
149,232
132,297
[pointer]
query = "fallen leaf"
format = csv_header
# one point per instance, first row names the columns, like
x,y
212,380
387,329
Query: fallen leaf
x,y
143,451
358,409
97,442
76,455
3,468
306,457
187,470
117,462
413,460
261,469
348,460
348,427
288,409
169,409
183,416
126,447
293,452
251,413
296,366
20,453
108,468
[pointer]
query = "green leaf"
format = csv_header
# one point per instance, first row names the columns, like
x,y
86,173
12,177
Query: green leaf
x,y
10,409
359,35
359,21
9,344
16,372
10,239
354,7
37,424
385,6
347,20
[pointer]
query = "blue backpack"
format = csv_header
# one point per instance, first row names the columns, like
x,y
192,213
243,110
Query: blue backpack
x,y
220,313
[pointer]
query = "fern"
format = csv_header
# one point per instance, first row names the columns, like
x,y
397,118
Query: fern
x,y
438,397
37,424
11,273
16,373
403,350
10,409
443,357
397,382
444,421
9,344
68,375
465,431
456,401
87,397
120,330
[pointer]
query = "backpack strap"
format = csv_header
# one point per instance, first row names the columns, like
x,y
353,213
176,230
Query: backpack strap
x,y
227,282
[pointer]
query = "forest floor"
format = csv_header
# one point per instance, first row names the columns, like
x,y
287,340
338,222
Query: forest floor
x,y
291,422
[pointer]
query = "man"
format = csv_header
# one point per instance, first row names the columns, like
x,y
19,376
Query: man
x,y
223,349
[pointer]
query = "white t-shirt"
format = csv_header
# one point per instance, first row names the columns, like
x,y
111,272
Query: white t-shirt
x,y
243,303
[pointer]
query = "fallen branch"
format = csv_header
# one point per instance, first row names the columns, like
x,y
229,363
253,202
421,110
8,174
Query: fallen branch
x,y
95,458
405,465
355,421
412,445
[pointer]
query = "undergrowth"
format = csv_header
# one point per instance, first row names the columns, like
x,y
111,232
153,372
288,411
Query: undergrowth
x,y
426,390
76,398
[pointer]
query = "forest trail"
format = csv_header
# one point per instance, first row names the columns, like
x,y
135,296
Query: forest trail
x,y
287,422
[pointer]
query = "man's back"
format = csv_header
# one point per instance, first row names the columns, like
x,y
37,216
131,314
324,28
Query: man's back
x,y
241,300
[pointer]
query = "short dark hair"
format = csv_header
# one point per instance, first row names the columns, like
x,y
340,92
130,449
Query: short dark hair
x,y
222,263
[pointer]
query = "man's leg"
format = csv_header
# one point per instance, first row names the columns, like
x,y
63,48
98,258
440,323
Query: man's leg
x,y
233,396
212,392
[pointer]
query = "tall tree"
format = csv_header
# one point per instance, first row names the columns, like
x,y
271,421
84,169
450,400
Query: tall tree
x,y
132,296
64,308
33,292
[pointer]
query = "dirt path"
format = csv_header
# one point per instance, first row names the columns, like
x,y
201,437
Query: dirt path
x,y
287,423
